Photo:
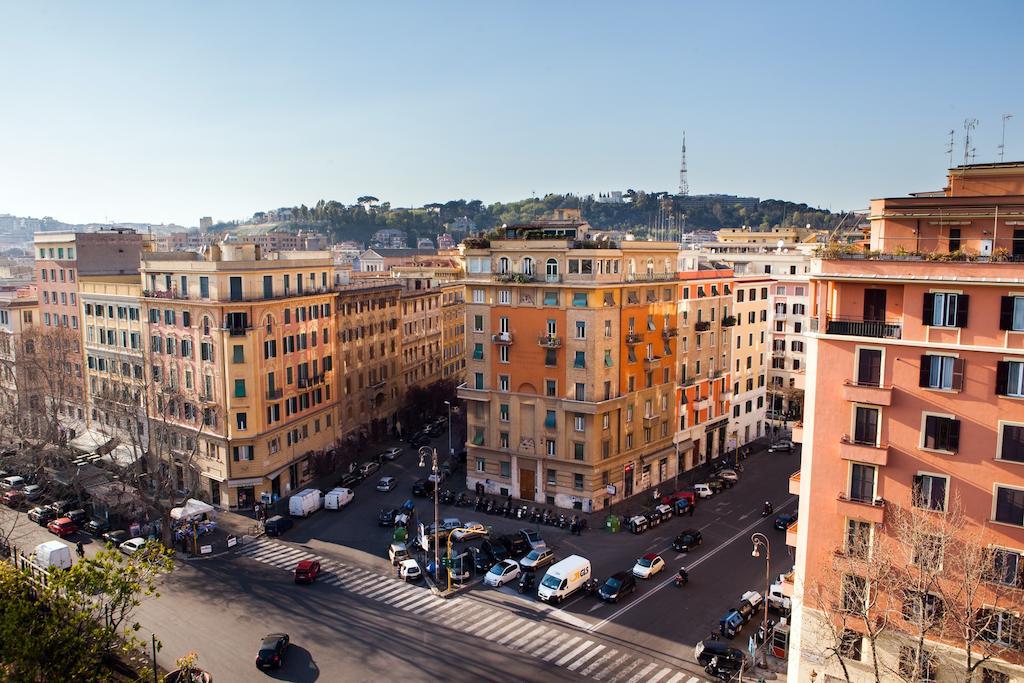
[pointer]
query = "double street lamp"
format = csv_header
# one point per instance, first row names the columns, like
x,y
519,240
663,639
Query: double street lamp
x,y
425,452
760,542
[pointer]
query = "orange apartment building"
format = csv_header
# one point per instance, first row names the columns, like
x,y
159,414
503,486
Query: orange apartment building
x,y
573,349
915,410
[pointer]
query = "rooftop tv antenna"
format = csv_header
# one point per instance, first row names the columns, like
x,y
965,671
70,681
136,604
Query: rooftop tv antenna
x,y
969,125
684,185
1002,139
949,149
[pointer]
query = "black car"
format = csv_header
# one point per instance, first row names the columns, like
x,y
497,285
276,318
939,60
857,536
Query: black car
x,y
716,484
418,440
785,520
77,516
61,507
277,525
423,488
348,481
387,516
96,527
686,540
517,545
272,651
433,430
497,549
115,537
728,658
617,585
482,560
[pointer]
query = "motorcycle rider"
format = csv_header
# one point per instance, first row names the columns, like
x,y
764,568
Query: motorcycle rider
x,y
767,509
682,576
79,549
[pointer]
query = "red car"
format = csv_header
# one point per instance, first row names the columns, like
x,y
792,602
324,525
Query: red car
x,y
306,571
13,498
62,526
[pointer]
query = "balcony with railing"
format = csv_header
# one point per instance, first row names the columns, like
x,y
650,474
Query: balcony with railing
x,y
702,326
863,451
855,507
729,321
634,338
274,394
794,483
791,534
652,363
549,341
788,584
859,327
502,338
867,392
650,277
669,332
798,432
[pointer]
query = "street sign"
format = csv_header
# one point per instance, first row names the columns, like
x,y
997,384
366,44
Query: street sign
x,y
610,489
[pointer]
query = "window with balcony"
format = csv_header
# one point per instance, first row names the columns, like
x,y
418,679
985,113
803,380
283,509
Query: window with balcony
x,y
941,433
478,380
1011,313
1011,442
929,491
945,309
942,372
858,539
869,367
1009,505
862,483
1007,567
1010,378
865,425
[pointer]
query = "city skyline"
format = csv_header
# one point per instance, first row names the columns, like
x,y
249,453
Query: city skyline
x,y
160,115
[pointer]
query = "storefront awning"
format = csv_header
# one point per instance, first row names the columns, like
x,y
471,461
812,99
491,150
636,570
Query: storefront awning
x,y
251,481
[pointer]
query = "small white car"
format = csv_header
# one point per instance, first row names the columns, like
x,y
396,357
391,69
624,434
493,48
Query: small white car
x,y
32,491
398,553
502,573
392,453
132,545
387,484
409,570
368,468
729,475
648,565
703,490
784,445
450,523
470,530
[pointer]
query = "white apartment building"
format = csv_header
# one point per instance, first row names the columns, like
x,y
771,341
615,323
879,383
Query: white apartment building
x,y
751,353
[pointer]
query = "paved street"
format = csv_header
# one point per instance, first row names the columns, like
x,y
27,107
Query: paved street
x,y
358,622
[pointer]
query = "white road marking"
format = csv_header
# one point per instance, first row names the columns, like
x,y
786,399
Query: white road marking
x,y
583,660
627,670
558,638
506,638
539,633
557,651
608,669
660,675
573,653
493,635
597,663
641,673
596,607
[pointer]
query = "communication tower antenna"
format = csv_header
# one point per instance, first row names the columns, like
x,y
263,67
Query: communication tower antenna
x,y
949,149
969,125
684,185
1002,139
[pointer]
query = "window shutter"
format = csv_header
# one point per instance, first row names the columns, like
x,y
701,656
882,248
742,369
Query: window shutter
x,y
958,374
954,436
926,369
1006,313
1002,376
929,308
961,310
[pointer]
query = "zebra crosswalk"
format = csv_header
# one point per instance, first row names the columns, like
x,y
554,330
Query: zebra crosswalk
x,y
566,649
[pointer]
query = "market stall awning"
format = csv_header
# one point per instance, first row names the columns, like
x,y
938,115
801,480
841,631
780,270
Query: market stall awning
x,y
192,509
91,441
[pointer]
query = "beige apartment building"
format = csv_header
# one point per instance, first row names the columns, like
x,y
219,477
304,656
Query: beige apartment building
x,y
20,398
751,351
453,330
422,361
243,342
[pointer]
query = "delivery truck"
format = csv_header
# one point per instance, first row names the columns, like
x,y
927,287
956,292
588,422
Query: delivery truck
x,y
305,502
335,499
564,578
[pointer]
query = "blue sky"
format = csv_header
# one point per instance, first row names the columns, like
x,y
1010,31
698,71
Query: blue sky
x,y
170,111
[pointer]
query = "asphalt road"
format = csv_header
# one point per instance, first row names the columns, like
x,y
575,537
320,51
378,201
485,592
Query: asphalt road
x,y
359,623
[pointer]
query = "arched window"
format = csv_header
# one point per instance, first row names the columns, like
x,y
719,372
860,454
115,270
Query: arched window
x,y
268,323
206,325
503,264
551,269
528,266
650,267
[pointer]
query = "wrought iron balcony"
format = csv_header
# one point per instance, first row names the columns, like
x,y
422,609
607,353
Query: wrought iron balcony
x,y
502,338
549,341
858,327
634,338
669,332
702,326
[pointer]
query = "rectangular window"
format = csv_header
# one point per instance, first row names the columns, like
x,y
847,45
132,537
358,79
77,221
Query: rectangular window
x,y
851,644
858,539
1000,626
503,412
1010,378
580,359
944,309
550,357
1011,313
238,354
1009,505
942,372
869,367
239,388
862,483
865,426
579,299
941,433
478,380
579,423
1007,567
577,482
552,477
550,421
929,492
204,287
478,323
506,468
550,298
854,594
578,451
478,351
241,419
481,465
1011,446
581,329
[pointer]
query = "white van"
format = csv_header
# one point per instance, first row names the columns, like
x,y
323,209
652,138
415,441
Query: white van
x,y
12,483
564,578
335,499
53,555
305,503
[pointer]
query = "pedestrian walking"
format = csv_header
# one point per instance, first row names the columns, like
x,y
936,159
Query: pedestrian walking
x,y
690,507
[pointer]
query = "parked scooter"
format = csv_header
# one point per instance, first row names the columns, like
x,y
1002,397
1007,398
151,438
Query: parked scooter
x,y
527,582
535,514
590,587
461,501
562,521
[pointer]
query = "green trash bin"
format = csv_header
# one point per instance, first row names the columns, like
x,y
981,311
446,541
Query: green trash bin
x,y
400,534
611,523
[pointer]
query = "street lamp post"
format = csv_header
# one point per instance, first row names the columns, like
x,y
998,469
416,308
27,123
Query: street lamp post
x,y
451,453
432,452
760,541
